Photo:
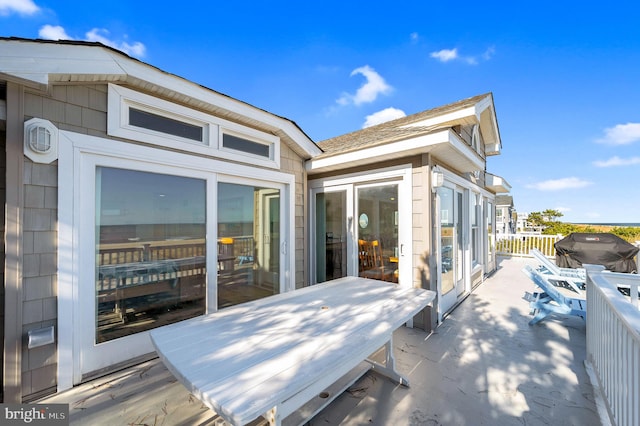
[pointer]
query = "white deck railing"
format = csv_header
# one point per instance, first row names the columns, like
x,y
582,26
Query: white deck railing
x,y
521,244
613,342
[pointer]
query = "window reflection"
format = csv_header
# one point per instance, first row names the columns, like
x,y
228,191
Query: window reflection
x,y
248,243
446,237
150,250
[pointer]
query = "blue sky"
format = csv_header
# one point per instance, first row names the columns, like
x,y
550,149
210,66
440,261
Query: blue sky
x,y
565,75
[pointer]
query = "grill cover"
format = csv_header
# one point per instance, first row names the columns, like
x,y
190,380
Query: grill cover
x,y
605,249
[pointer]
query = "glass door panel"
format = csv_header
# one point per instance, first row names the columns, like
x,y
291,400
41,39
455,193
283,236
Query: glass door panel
x,y
459,207
331,235
150,251
447,239
377,224
248,243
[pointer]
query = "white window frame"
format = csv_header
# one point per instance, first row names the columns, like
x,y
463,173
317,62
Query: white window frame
x,y
401,176
79,153
474,189
120,99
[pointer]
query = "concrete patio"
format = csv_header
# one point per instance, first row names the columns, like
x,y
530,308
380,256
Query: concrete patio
x,y
483,366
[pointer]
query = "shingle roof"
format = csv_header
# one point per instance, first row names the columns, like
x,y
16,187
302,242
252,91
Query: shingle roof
x,y
504,200
392,130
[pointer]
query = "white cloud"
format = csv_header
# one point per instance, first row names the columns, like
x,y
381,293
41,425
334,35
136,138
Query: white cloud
x,y
621,134
369,91
488,54
414,37
616,161
53,32
445,55
383,116
563,209
99,35
21,7
560,184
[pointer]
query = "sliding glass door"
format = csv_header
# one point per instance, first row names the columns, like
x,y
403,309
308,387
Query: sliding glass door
x,y
378,245
157,245
248,243
331,235
150,251
362,227
451,229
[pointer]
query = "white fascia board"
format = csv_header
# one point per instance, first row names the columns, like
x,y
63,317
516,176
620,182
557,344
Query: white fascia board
x,y
489,126
481,105
386,150
497,183
33,63
398,149
462,148
188,88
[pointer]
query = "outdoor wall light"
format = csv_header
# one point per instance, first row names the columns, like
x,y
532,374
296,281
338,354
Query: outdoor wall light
x,y
40,141
437,178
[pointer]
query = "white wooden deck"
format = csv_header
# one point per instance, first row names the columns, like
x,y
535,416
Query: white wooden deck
x,y
483,366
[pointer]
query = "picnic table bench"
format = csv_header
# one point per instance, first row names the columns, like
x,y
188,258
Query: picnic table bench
x,y
286,356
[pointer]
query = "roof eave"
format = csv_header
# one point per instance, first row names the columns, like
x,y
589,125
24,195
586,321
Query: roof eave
x,y
486,117
444,145
496,184
94,63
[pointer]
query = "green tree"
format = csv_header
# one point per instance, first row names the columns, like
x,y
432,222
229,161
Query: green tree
x,y
536,219
552,215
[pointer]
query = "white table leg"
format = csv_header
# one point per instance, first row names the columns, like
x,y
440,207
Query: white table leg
x,y
388,369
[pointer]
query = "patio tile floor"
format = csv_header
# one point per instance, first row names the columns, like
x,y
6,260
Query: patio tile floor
x,y
484,365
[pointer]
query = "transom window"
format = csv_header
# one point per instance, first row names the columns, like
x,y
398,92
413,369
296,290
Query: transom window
x,y
137,116
245,145
159,123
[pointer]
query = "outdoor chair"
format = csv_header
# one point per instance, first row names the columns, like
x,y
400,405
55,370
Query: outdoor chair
x,y
549,300
574,279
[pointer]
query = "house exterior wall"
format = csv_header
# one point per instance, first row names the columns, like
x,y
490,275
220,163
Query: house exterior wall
x,y
424,261
291,163
422,236
504,220
421,227
81,109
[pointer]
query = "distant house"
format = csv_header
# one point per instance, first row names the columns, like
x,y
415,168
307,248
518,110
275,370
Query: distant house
x,y
135,198
505,215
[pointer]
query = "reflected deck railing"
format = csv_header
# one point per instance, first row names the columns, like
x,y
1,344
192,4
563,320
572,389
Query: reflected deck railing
x,y
613,342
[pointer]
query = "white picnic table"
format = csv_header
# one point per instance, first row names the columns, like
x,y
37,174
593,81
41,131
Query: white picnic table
x,y
285,356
